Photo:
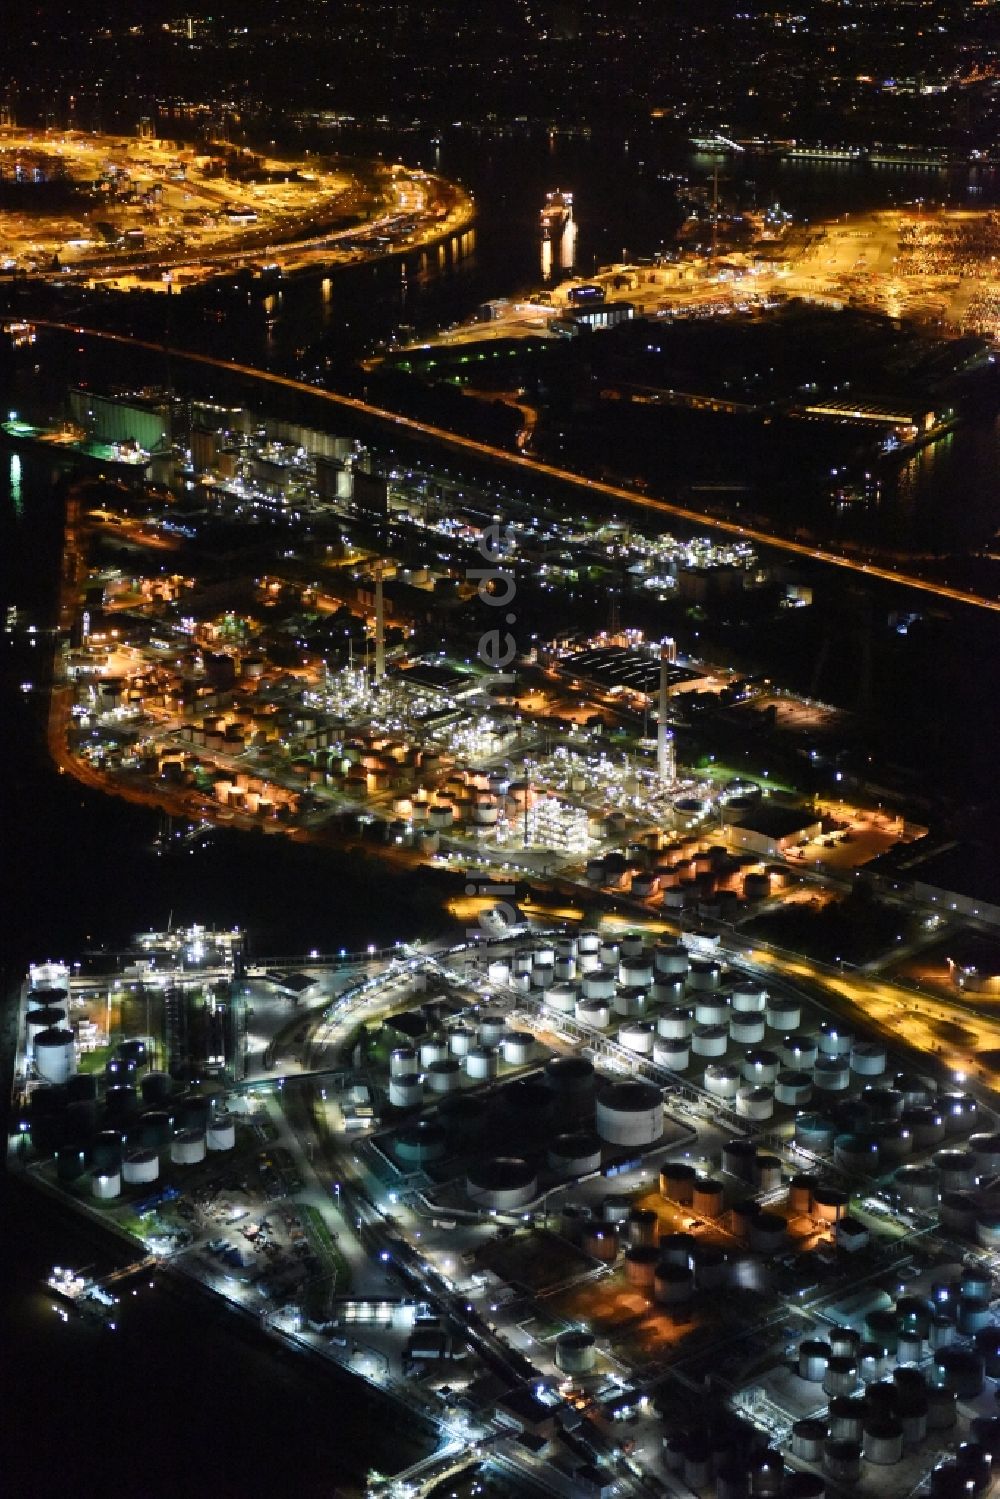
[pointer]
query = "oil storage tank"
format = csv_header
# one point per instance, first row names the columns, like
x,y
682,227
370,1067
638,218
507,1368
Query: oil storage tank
x,y
576,1352
629,1113
188,1147
501,1183
55,1055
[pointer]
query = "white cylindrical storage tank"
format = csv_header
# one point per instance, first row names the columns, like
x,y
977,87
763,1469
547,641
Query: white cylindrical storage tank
x,y
711,1009
593,1012
710,1040
576,1352
482,1063
45,1018
498,971
632,945
517,1047
460,1040
406,1092
187,1147
544,955
630,1003
883,1441
722,1080
635,972
814,1355
834,1042
841,1377
543,976
598,984
671,960
433,1050
588,942
749,998
960,1112
808,1436
831,1073
501,1183
523,961
761,1067
675,1025
140,1167
404,1062
564,968
782,1014
629,1113
868,1058
672,1284
221,1133
794,1088
609,954
562,997
815,1132
106,1184
754,1102
673,1054
799,1053
957,1168
746,1029
575,1154
638,1036
917,1186
55,1055
704,975
491,1028
986,1152
444,1075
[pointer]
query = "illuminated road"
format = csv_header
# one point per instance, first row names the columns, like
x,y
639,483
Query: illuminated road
x,y
534,467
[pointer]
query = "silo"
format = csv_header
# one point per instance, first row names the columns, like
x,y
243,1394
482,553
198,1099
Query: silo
x,y
629,1003
829,1204
834,1042
748,998
642,1228
598,984
563,998
444,1075
917,1186
792,1088
629,1113
460,1040
404,1062
482,1063
761,1066
976,1281
55,1055
814,1355
868,1058
800,1193
609,952
153,1130
799,1053
957,1169
406,1092
187,1147
784,1015
106,1184
841,1376
517,1048
156,1088
594,1012
640,1264
815,1132
746,1029
600,1241
666,991
808,1437
941,1333
768,1173
588,942
677,1248
221,1133
754,1103
576,1352
973,1315
636,971
711,1270
739,1159
710,1040
675,1025
673,1054
722,1080
856,1153
677,1180
706,1198
768,1233
959,1370
575,1154
673,1285
543,976
831,1073
710,1009
140,1167
434,1049
883,1441
909,1348
637,1036
873,1361
704,975
926,1125
670,959
846,1418
501,1183
986,1151
491,1028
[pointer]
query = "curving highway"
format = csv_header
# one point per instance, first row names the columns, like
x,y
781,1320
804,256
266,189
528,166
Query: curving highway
x,y
536,468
